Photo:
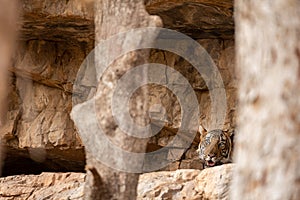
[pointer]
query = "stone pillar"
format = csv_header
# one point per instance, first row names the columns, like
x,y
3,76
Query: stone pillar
x,y
103,181
268,63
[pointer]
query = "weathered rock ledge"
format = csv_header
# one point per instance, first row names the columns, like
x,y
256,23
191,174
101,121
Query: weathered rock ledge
x,y
196,18
55,186
212,183
73,20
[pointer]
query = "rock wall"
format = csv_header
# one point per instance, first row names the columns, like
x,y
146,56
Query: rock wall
x,y
222,53
54,39
56,36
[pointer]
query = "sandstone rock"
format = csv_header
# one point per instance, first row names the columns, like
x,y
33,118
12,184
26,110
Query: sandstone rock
x,y
74,19
56,36
54,186
99,121
211,183
222,53
197,18
40,99
191,164
56,20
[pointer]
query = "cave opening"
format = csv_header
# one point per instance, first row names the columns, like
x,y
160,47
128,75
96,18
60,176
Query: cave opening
x,y
36,161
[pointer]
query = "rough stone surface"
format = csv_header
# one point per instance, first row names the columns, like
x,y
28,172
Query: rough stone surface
x,y
212,183
55,37
196,18
73,20
70,21
107,145
206,18
222,54
40,100
54,186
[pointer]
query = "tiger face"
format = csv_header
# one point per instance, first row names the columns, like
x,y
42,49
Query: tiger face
x,y
214,148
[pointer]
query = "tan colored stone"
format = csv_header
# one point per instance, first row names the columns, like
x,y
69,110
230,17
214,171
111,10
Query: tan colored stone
x,y
40,95
54,186
191,164
46,65
212,183
41,113
96,121
72,21
213,17
222,53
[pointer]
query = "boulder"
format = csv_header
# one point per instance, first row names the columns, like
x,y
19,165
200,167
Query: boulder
x,y
210,183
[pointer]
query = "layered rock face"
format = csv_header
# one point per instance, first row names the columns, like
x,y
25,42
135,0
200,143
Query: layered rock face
x,y
54,39
196,18
56,36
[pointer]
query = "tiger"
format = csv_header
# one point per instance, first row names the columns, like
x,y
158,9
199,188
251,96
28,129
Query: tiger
x,y
215,148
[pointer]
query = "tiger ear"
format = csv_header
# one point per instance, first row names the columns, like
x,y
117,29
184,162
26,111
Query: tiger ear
x,y
202,131
229,133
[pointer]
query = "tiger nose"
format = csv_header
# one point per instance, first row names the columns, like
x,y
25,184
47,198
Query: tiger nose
x,y
211,155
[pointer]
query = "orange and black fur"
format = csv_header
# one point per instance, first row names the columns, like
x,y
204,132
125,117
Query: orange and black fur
x,y
215,148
